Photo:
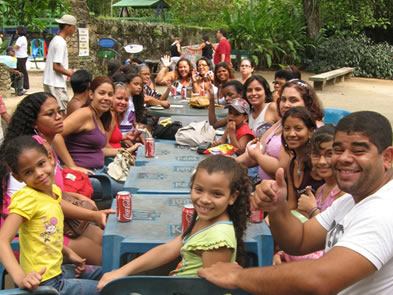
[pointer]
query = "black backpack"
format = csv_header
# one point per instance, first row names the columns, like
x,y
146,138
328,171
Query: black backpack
x,y
167,132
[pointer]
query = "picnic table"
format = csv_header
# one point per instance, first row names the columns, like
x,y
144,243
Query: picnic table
x,y
156,220
181,107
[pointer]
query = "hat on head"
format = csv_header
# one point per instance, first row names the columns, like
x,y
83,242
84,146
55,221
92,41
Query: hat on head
x,y
67,20
240,105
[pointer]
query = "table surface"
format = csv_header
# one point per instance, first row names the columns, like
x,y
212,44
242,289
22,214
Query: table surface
x,y
156,220
174,178
167,152
181,107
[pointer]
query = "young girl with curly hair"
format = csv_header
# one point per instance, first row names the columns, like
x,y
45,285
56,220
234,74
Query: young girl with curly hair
x,y
220,190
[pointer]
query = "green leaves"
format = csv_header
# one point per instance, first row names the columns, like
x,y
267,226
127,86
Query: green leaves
x,y
34,14
273,31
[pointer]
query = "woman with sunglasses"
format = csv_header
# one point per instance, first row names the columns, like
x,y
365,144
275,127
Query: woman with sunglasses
x,y
269,153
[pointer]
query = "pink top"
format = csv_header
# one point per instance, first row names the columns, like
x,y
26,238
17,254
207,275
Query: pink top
x,y
272,148
323,205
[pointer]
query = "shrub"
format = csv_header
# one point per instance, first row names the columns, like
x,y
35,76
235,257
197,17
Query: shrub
x,y
369,59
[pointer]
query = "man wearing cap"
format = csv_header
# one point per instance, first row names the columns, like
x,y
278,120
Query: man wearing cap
x,y
56,67
237,132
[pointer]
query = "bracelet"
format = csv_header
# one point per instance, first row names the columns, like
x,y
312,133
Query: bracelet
x,y
312,211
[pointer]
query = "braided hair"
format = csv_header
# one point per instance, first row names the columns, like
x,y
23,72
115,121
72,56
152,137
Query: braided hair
x,y
240,210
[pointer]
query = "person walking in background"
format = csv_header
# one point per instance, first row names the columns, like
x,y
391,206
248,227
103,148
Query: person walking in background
x,y
21,56
56,67
175,51
223,49
206,47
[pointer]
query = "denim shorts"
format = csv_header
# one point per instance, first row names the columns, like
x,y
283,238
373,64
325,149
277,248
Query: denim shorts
x,y
67,284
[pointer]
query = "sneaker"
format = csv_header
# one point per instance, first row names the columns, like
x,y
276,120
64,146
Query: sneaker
x,y
22,92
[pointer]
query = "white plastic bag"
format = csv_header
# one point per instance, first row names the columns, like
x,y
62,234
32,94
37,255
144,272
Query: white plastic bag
x,y
195,133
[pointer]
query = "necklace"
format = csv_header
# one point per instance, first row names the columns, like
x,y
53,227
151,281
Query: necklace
x,y
298,171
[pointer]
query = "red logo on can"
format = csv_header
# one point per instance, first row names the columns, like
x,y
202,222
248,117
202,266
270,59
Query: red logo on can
x,y
202,92
173,90
150,148
256,216
183,93
186,217
124,206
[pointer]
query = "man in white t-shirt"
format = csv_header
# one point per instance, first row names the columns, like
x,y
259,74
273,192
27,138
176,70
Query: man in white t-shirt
x,y
56,67
356,231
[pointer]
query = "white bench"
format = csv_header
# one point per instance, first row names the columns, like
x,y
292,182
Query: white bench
x,y
331,77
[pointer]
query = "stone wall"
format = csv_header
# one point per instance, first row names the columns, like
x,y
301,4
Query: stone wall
x,y
5,80
155,38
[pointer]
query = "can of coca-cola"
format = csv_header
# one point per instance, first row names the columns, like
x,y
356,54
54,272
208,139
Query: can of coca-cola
x,y
183,93
150,147
186,217
256,216
124,206
173,90
202,92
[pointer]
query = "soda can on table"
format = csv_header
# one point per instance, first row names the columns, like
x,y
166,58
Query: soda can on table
x,y
186,217
189,92
173,91
202,92
124,206
183,93
150,147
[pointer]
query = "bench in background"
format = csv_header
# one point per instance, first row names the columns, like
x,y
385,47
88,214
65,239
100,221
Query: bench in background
x,y
331,77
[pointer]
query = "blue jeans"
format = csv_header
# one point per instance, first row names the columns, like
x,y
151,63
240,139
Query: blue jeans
x,y
67,284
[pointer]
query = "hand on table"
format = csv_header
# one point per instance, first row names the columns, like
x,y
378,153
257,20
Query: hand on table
x,y
101,216
165,103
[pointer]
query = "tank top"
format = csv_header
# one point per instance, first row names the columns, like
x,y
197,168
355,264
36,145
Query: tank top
x,y
323,205
116,137
173,50
86,147
255,123
207,51
272,148
307,180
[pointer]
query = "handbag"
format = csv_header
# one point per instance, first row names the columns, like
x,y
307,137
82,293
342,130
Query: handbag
x,y
73,228
168,131
120,166
195,133
77,182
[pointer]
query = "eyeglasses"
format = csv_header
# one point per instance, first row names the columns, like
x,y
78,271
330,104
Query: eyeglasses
x,y
317,155
245,66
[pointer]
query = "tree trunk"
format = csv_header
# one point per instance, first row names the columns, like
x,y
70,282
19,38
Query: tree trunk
x,y
311,17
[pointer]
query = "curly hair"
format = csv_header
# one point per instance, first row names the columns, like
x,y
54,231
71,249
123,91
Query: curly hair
x,y
226,66
21,123
177,72
309,96
240,210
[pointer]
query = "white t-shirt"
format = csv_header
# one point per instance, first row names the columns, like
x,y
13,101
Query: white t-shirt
x,y
255,123
57,53
21,52
366,228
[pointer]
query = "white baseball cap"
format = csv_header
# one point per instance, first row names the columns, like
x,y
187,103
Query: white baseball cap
x,y
67,20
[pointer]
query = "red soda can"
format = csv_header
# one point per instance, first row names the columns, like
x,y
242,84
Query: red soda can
x,y
173,90
183,93
202,92
256,216
124,206
150,147
186,217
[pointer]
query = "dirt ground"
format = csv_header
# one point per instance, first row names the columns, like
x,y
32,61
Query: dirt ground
x,y
354,94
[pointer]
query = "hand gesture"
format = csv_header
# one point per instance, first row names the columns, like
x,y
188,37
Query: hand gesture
x,y
270,195
306,201
133,134
101,217
32,280
254,151
221,274
166,61
80,267
231,127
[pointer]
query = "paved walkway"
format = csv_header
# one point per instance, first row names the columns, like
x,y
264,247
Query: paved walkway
x,y
354,95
